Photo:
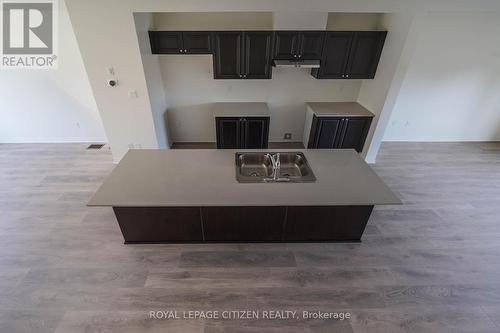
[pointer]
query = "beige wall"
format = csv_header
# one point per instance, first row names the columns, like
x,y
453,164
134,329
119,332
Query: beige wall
x,y
353,21
214,21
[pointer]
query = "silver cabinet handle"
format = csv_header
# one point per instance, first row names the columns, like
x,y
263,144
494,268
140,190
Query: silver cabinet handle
x,y
185,50
300,55
347,75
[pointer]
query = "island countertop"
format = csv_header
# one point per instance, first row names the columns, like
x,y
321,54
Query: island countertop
x,y
173,178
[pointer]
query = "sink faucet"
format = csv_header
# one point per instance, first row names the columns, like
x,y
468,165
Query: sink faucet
x,y
275,160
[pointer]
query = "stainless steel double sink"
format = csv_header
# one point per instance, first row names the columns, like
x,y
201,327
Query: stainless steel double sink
x,y
269,167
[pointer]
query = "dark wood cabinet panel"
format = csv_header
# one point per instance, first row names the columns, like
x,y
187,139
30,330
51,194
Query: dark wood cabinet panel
x,y
228,55
339,132
286,45
365,53
244,133
248,54
257,55
350,55
243,223
166,42
354,133
335,56
256,131
325,131
336,223
295,45
228,133
159,224
311,45
197,42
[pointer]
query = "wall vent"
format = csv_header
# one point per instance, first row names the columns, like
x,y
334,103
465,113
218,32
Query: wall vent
x,y
96,146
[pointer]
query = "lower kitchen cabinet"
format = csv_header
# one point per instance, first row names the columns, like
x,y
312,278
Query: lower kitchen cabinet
x,y
242,132
339,132
159,224
243,223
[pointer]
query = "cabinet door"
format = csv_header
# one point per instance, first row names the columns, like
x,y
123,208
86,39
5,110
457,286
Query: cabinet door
x,y
365,53
166,42
354,133
257,55
311,45
227,55
255,132
325,132
335,56
197,42
285,45
243,224
228,132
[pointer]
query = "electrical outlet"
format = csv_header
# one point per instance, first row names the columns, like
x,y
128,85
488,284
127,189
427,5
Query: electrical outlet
x,y
288,136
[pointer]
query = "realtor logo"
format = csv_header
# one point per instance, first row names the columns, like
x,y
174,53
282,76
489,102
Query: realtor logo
x,y
28,34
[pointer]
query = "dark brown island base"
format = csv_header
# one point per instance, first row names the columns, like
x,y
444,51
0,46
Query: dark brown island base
x,y
172,196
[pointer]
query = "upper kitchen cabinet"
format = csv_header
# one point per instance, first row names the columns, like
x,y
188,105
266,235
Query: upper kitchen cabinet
x,y
365,53
350,55
242,55
257,52
311,45
335,56
291,45
180,42
227,55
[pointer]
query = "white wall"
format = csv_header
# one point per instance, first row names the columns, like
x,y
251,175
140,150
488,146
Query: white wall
x,y
112,22
379,94
107,37
451,91
190,88
151,65
50,105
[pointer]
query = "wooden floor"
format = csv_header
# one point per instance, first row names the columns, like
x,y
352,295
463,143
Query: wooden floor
x,y
431,265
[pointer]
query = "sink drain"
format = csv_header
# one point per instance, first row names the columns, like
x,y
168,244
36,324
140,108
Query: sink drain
x,y
254,174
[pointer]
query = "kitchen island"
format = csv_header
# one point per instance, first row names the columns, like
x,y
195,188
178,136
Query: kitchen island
x,y
163,196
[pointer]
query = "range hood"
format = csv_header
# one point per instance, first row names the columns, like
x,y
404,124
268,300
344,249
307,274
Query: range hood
x,y
296,63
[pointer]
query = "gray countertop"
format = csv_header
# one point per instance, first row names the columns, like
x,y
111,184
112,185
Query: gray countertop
x,y
341,109
238,109
208,178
